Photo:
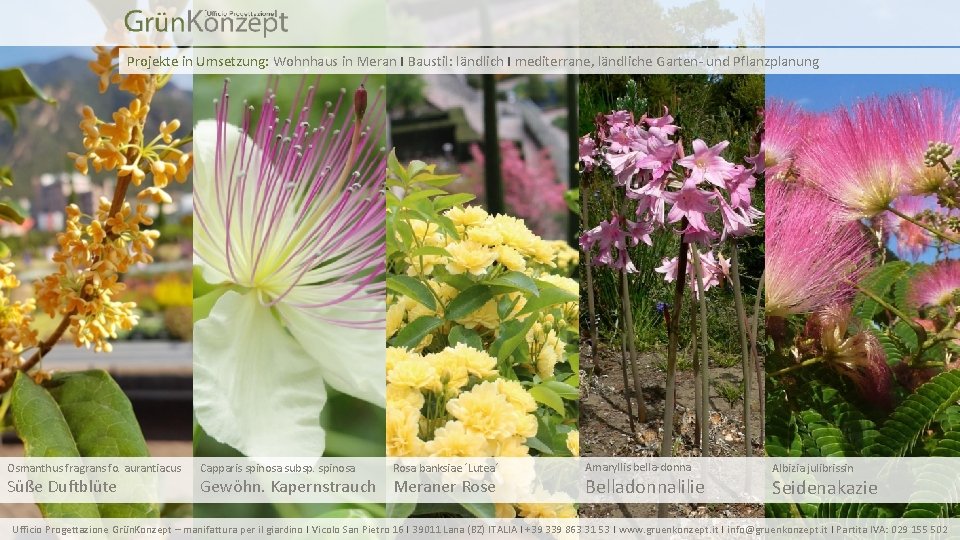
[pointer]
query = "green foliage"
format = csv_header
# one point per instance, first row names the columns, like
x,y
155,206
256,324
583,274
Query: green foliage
x,y
404,93
16,89
79,414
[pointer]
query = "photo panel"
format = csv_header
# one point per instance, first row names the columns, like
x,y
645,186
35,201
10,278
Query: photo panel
x,y
672,204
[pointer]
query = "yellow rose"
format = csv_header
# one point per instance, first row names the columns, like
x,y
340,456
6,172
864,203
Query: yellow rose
x,y
573,442
403,426
455,440
468,256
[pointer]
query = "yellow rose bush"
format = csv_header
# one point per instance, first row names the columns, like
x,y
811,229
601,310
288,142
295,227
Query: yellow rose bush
x,y
482,322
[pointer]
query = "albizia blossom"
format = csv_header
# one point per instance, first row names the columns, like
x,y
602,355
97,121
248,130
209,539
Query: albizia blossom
x,y
290,224
811,256
937,285
923,118
856,161
911,239
784,127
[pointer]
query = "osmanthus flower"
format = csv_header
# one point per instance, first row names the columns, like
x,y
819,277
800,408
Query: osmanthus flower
x,y
810,256
936,286
290,224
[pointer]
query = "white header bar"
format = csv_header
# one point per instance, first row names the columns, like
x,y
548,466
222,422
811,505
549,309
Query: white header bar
x,y
448,23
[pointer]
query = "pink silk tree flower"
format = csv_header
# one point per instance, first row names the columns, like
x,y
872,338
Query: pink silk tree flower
x,y
854,354
811,254
857,162
706,165
911,239
784,126
924,117
936,286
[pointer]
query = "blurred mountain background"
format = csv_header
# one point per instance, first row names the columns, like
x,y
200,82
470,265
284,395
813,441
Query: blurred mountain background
x,y
47,132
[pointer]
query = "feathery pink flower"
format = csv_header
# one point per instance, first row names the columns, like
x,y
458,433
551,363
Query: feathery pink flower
x,y
924,117
911,239
783,134
857,161
810,253
937,285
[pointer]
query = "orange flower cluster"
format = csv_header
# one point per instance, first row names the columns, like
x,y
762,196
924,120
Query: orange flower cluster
x,y
120,145
91,258
16,335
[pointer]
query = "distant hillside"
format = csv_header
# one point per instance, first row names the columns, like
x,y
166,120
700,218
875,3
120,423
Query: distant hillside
x,y
46,133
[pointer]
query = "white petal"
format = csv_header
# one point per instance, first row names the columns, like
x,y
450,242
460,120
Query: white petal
x,y
352,359
254,387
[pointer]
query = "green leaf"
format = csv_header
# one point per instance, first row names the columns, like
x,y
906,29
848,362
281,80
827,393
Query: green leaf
x,y
449,201
412,287
80,414
9,213
16,89
429,250
512,334
515,281
400,510
4,251
549,295
396,169
539,445
10,114
412,334
912,417
546,395
467,302
102,422
878,282
420,195
563,390
45,433
459,334
480,510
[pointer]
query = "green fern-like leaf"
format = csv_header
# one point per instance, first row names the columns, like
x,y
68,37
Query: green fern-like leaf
x,y
900,432
880,282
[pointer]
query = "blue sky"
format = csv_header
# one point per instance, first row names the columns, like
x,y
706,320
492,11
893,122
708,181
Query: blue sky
x,y
825,92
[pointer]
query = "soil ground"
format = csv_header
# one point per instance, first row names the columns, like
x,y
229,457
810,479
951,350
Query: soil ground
x,y
605,427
